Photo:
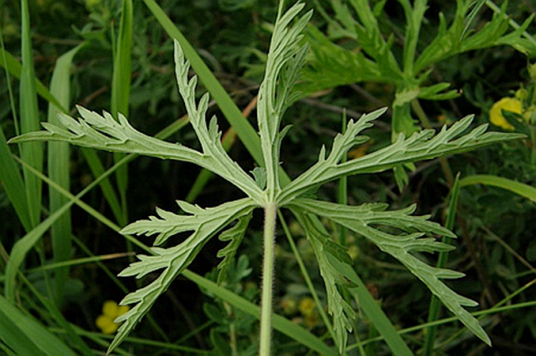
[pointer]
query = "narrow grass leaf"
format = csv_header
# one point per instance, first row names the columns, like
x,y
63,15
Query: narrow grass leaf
x,y
94,162
121,92
518,188
122,63
13,66
24,245
59,171
31,153
13,184
25,336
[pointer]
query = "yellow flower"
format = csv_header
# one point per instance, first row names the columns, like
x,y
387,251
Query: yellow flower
x,y
507,104
307,306
110,311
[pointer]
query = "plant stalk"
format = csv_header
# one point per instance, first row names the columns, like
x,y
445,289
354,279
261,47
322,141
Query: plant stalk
x,y
270,212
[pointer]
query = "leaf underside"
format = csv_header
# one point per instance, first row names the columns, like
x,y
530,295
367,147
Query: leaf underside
x,y
397,233
204,224
415,234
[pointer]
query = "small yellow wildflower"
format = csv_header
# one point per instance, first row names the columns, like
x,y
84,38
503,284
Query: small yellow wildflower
x,y
507,104
307,306
110,311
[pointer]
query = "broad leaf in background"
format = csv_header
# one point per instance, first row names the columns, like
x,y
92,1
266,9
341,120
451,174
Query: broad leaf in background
x,y
373,57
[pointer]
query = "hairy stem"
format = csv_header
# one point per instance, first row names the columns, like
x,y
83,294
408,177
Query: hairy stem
x,y
267,279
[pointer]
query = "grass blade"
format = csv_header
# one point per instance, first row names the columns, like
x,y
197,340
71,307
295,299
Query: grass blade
x,y
122,62
58,170
31,153
12,183
25,336
13,66
121,93
518,188
97,169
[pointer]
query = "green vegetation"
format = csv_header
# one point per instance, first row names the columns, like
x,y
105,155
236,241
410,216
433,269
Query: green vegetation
x,y
290,237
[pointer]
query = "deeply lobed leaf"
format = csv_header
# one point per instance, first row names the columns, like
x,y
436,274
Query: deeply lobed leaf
x,y
235,235
103,132
369,223
285,59
420,146
204,224
325,250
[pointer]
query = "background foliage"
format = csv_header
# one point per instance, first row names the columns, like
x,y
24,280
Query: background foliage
x,y
495,247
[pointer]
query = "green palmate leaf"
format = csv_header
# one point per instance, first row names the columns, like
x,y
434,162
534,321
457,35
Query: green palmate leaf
x,y
215,158
376,225
235,235
285,58
325,249
243,128
420,146
102,131
204,224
